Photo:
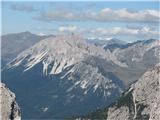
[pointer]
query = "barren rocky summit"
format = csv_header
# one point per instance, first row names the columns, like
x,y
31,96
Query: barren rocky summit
x,y
9,107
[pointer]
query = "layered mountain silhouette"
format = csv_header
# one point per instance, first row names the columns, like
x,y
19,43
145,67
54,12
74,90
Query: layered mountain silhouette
x,y
63,76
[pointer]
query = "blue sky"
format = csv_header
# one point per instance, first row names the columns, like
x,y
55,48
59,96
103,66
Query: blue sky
x,y
123,20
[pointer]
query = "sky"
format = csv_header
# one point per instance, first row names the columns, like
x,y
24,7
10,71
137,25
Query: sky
x,y
128,21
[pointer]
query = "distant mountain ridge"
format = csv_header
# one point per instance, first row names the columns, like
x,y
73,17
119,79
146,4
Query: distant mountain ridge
x,y
141,53
106,42
13,44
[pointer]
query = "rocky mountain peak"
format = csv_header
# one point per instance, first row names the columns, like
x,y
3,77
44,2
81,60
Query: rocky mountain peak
x,y
63,51
9,107
140,102
143,97
69,70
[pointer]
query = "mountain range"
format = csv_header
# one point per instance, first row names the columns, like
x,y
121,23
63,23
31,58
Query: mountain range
x,y
62,76
109,43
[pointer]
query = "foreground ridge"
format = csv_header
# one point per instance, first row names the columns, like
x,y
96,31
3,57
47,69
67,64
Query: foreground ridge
x,y
9,107
140,102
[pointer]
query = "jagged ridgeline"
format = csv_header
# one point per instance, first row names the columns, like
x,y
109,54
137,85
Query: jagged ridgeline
x,y
13,44
140,102
60,73
64,76
8,106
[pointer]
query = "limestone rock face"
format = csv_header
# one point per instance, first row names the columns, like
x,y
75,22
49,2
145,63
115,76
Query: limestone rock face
x,y
144,99
9,107
140,102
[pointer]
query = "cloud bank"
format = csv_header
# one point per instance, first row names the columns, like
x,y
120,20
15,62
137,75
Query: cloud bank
x,y
104,15
141,32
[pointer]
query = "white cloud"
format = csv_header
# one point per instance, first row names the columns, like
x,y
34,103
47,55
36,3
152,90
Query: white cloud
x,y
67,28
144,32
104,15
139,32
114,31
